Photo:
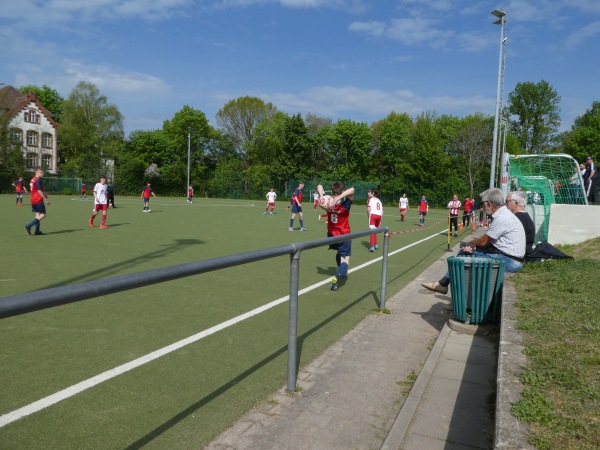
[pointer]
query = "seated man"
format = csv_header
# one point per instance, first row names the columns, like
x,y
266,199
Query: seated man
x,y
516,202
503,240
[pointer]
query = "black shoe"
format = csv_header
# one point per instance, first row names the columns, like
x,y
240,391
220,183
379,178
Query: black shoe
x,y
39,233
28,230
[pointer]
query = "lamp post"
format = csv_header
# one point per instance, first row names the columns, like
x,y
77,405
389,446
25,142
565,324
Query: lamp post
x,y
501,15
188,165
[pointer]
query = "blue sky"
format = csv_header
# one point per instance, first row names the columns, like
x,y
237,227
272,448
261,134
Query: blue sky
x,y
343,59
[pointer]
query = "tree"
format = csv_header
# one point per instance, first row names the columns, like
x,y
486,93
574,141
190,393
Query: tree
x,y
90,132
239,119
535,106
471,146
585,134
49,98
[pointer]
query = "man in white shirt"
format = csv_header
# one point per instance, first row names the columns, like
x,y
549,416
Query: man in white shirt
x,y
503,240
403,206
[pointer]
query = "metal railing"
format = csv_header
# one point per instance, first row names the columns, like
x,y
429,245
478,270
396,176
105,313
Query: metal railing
x,y
47,298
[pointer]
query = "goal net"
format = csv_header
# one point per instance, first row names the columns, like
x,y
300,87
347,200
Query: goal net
x,y
58,185
546,179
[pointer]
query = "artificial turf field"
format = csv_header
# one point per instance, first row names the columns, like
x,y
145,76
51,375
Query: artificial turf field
x,y
187,397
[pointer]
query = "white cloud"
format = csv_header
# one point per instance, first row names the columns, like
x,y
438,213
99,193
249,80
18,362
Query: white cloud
x,y
583,34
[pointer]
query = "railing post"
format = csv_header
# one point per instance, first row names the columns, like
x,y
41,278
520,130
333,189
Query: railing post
x,y
293,322
384,264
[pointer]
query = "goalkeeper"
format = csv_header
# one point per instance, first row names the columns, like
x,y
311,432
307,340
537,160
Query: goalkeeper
x,y
338,225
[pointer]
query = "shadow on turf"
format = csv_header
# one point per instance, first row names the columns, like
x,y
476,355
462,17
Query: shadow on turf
x,y
148,438
117,269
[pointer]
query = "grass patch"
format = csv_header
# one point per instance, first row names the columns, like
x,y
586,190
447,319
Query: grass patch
x,y
560,318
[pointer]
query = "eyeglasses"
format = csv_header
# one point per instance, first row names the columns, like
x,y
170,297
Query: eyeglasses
x,y
511,200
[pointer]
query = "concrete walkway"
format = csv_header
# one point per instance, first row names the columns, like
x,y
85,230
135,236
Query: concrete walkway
x,y
405,380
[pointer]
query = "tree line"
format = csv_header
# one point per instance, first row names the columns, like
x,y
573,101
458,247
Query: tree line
x,y
255,146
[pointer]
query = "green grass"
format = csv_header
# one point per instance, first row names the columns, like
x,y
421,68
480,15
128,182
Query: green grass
x,y
188,397
559,305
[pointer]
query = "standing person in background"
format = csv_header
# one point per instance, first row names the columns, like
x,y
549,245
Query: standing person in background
x,y
453,209
467,212
375,213
36,188
20,187
146,193
83,193
271,196
297,207
190,194
403,206
100,201
423,209
110,193
339,225
591,177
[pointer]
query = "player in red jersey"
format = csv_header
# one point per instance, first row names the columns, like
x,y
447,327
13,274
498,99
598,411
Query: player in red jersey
x,y
297,207
190,194
83,194
36,188
146,193
20,187
338,225
375,210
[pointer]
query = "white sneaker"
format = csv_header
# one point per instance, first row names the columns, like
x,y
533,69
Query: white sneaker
x,y
149,210
302,229
290,229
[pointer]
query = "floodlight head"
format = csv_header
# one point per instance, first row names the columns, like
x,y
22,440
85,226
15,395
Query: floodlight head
x,y
499,13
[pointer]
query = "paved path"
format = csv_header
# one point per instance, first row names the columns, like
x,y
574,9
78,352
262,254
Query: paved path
x,y
356,395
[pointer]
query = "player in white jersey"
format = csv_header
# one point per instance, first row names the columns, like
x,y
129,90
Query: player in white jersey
x,y
375,210
100,201
403,206
271,196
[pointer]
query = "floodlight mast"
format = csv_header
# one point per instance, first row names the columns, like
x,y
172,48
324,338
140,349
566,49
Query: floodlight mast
x,y
502,22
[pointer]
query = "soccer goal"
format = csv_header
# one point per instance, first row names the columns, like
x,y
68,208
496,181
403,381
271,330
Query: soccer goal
x,y
59,185
547,180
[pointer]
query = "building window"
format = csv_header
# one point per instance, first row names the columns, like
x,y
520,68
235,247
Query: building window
x,y
32,116
47,161
16,136
32,138
46,140
31,160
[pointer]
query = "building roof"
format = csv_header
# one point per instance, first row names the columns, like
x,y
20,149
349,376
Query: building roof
x,y
12,102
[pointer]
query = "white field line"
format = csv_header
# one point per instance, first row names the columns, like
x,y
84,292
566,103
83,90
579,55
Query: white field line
x,y
171,203
112,373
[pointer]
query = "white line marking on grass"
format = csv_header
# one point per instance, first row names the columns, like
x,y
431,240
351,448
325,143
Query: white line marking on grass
x,y
112,373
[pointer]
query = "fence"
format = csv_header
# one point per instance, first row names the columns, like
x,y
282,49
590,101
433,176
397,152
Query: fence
x,y
48,298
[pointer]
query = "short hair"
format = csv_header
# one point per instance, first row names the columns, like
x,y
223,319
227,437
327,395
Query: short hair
x,y
519,196
102,176
375,192
494,196
337,187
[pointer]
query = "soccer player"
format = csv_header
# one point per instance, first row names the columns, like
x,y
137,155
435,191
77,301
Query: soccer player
x,y
423,209
100,201
338,225
271,196
467,211
36,188
146,193
190,194
83,194
403,206
315,200
375,211
297,207
20,187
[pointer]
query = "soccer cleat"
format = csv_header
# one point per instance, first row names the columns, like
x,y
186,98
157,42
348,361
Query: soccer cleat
x,y
103,226
28,229
302,229
271,213
334,286
91,223
376,246
290,229
149,210
372,249
39,233
435,287
264,212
